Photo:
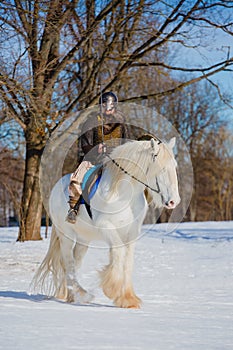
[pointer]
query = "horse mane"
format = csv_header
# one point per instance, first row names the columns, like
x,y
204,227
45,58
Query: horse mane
x,y
135,157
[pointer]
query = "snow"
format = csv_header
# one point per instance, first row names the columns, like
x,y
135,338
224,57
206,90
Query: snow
x,y
184,277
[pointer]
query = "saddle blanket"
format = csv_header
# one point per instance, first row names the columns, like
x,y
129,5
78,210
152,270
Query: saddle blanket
x,y
90,183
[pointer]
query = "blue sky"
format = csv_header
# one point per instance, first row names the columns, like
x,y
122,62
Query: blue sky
x,y
213,48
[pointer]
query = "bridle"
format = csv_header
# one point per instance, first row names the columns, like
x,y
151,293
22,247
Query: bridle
x,y
157,190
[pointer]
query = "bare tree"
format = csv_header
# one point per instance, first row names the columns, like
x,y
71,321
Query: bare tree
x,y
11,183
55,53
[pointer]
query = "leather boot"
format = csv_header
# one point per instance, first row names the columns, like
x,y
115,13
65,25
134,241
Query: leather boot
x,y
73,211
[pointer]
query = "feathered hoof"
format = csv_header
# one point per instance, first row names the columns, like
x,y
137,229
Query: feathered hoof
x,y
111,285
70,297
84,297
130,301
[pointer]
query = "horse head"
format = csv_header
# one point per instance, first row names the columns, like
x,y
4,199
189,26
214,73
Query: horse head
x,y
150,163
162,173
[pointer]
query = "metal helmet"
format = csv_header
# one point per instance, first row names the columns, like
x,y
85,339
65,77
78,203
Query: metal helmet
x,y
108,100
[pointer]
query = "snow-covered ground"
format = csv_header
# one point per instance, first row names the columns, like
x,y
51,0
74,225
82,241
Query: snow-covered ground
x,y
184,278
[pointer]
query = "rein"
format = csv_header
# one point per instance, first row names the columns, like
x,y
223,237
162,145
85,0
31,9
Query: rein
x,y
135,178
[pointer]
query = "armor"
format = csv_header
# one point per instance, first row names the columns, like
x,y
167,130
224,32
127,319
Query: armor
x,y
110,129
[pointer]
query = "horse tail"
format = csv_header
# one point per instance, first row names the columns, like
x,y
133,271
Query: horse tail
x,y
50,276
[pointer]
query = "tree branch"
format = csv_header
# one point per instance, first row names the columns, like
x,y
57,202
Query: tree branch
x,y
85,37
225,63
174,89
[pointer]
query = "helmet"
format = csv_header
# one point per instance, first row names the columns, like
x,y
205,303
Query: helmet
x,y
109,100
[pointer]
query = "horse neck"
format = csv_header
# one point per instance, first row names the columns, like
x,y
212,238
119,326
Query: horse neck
x,y
124,179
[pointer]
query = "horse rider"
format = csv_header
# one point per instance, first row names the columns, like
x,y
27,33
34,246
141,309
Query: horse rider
x,y
105,128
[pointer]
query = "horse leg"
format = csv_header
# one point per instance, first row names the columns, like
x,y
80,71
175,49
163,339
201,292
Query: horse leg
x,y
112,276
67,279
79,253
128,298
70,288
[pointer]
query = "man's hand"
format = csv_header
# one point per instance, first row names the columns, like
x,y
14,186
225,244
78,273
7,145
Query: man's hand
x,y
101,148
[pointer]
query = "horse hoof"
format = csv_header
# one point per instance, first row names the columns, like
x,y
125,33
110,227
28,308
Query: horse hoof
x,y
85,298
70,298
132,302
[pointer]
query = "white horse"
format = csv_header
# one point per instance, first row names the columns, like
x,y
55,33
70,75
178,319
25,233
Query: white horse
x,y
118,209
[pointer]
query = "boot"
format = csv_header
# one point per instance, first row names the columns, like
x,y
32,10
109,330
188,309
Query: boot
x,y
73,211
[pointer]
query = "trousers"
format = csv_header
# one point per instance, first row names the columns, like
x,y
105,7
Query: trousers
x,y
76,179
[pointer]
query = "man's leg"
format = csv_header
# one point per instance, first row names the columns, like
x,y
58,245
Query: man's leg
x,y
75,190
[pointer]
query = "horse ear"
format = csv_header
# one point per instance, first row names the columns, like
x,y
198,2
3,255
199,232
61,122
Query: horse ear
x,y
154,144
172,142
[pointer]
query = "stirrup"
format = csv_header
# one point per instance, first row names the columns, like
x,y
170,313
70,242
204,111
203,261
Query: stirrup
x,y
72,216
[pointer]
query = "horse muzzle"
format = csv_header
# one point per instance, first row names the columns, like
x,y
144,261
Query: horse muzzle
x,y
171,203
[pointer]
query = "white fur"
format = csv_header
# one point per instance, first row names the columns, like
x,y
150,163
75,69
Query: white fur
x,y
119,208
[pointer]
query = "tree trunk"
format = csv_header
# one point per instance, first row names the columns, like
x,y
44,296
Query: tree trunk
x,y
31,205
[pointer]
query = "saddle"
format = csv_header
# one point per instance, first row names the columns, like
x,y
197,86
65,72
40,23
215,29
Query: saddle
x,y
89,185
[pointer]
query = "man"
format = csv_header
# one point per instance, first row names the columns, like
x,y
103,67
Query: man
x,y
110,131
